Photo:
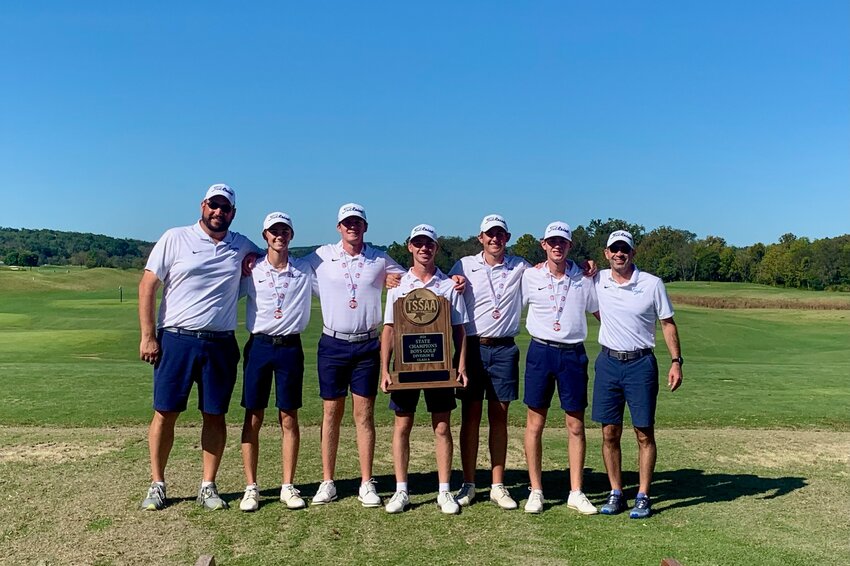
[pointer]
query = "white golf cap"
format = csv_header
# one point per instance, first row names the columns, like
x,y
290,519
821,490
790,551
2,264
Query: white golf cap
x,y
351,209
492,221
558,229
620,236
277,218
424,230
221,190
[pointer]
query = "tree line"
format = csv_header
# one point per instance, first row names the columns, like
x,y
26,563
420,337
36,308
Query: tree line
x,y
673,254
678,255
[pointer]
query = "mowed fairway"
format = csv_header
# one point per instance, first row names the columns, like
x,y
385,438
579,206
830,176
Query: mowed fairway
x,y
754,452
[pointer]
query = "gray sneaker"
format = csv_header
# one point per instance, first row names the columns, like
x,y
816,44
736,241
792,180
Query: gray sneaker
x,y
208,497
155,499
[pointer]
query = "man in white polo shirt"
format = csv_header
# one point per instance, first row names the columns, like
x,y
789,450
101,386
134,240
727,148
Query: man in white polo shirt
x,y
192,341
630,303
558,296
493,302
350,277
440,402
279,292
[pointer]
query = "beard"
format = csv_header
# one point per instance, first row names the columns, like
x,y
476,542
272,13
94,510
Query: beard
x,y
216,223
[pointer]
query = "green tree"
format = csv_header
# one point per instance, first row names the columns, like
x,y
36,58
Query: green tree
x,y
528,247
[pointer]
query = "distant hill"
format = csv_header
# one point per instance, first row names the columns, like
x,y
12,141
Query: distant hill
x,y
26,247
39,247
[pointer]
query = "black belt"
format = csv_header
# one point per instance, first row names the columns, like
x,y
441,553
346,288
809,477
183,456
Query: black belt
x,y
485,341
282,340
559,345
203,334
626,356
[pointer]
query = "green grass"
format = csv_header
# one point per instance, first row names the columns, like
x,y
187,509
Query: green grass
x,y
753,451
72,339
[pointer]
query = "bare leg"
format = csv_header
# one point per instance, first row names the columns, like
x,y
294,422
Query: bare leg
x,y
470,428
576,447
612,455
443,445
251,443
213,439
333,410
364,421
497,413
160,441
290,442
535,421
401,445
647,454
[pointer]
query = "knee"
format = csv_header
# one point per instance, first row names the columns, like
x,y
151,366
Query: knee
x,y
443,430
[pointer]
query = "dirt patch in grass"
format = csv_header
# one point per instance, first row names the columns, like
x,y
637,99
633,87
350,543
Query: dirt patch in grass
x,y
757,303
54,452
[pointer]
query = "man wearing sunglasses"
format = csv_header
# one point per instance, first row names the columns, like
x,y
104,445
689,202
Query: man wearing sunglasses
x,y
440,402
630,303
192,341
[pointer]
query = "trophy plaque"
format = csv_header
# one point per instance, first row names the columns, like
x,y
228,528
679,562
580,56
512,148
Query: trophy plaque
x,y
422,352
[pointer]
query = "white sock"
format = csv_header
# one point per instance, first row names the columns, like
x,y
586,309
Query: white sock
x,y
207,483
286,485
495,485
443,487
252,485
401,486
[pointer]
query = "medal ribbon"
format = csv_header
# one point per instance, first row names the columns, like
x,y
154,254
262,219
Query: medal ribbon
x,y
496,297
352,278
278,286
558,297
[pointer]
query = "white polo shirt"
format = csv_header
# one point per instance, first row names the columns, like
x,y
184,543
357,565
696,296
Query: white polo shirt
x,y
200,277
558,303
440,284
629,311
278,302
491,288
335,270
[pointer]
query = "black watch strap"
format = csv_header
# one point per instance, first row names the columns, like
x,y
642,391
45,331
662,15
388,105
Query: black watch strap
x,y
680,359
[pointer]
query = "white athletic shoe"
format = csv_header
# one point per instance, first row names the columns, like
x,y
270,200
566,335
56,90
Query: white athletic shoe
x,y
447,504
578,501
499,495
535,501
399,502
291,497
465,495
251,500
368,496
325,494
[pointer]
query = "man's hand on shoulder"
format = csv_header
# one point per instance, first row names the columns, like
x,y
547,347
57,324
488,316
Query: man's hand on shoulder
x,y
393,280
248,263
460,283
588,268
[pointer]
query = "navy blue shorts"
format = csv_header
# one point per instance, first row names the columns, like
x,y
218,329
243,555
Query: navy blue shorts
x,y
264,359
343,365
184,360
616,383
437,400
546,366
493,371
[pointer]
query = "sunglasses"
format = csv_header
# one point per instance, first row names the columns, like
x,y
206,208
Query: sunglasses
x,y
620,247
426,243
225,208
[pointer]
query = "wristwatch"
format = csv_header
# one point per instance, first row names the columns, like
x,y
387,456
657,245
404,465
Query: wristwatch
x,y
680,359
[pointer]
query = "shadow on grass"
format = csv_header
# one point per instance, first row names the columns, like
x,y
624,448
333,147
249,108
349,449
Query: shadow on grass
x,y
670,489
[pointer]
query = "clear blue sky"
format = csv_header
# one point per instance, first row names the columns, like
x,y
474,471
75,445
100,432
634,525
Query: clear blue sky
x,y
727,118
